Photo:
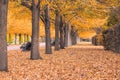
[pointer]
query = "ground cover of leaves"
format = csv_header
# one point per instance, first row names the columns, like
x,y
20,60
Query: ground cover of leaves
x,y
80,62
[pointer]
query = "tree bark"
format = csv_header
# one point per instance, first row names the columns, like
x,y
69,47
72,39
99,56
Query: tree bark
x,y
3,30
61,34
20,41
75,38
25,38
65,35
73,35
69,35
47,30
15,38
57,25
35,30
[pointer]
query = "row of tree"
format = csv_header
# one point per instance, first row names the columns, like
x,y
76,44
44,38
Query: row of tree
x,y
18,38
64,14
62,32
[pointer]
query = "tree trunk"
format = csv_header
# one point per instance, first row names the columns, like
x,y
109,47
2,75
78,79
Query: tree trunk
x,y
15,39
20,41
73,35
35,30
69,36
47,30
61,34
75,38
57,25
3,30
65,35
22,38
25,39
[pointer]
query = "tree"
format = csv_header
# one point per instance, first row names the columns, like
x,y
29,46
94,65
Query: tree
x,y
61,33
73,35
69,42
74,12
3,29
45,18
65,34
35,29
57,25
47,30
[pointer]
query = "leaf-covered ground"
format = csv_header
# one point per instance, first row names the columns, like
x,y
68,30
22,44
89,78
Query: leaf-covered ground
x,y
80,62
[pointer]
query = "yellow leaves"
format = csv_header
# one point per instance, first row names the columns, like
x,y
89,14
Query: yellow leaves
x,y
18,11
87,34
96,22
19,20
86,26
88,23
83,14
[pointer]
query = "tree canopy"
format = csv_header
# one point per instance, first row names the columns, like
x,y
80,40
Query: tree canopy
x,y
84,15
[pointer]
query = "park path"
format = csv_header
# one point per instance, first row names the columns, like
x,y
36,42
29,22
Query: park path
x,y
79,62
17,47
